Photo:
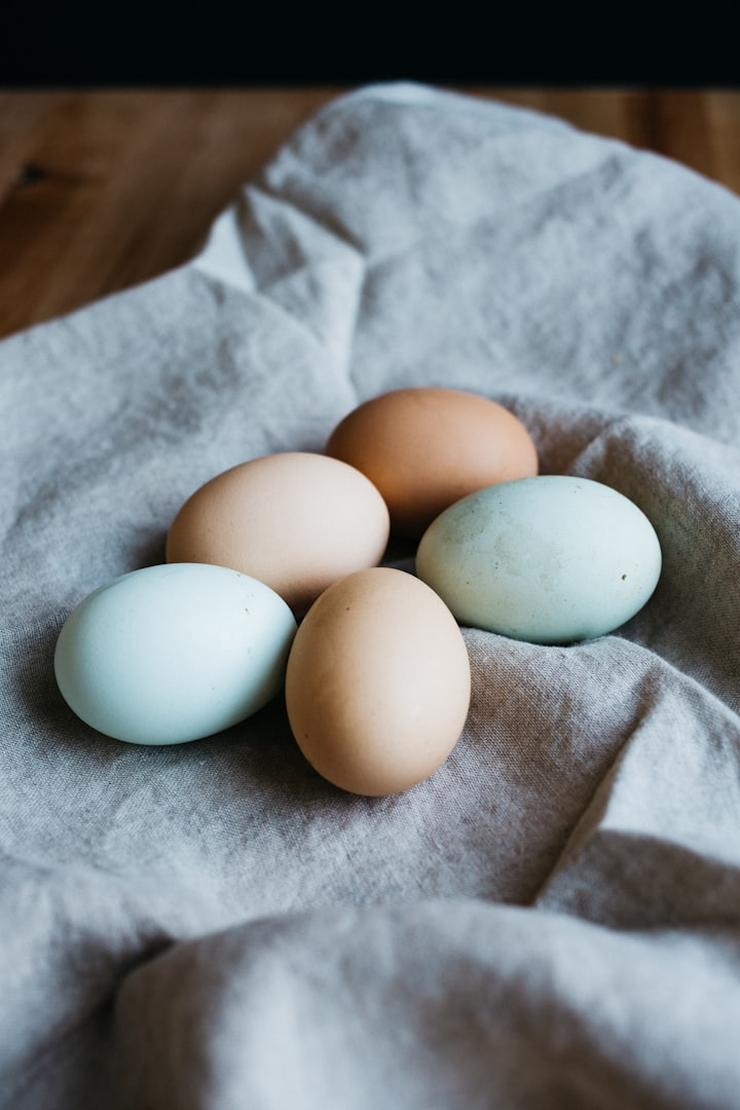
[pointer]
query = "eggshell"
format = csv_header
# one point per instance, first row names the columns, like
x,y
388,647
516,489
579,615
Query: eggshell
x,y
296,521
173,653
426,448
378,682
551,559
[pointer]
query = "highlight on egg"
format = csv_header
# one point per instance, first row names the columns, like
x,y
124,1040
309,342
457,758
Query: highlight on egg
x,y
553,559
378,683
426,448
170,654
296,521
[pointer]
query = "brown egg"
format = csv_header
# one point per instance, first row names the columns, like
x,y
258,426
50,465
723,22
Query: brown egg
x,y
426,448
295,521
378,682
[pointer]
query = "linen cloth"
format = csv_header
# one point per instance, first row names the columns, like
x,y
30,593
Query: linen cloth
x,y
554,918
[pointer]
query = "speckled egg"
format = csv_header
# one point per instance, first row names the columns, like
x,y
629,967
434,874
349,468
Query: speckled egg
x,y
552,559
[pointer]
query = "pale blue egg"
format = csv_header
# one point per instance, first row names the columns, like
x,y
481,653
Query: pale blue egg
x,y
173,653
552,559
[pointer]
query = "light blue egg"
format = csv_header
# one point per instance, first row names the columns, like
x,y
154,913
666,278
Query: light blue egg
x,y
173,653
552,559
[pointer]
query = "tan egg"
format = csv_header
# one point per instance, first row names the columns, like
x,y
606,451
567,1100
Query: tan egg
x,y
426,448
378,682
295,521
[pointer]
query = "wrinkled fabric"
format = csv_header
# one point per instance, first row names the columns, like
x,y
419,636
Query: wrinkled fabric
x,y
553,919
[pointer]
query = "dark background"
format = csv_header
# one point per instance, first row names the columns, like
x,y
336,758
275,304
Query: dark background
x,y
603,43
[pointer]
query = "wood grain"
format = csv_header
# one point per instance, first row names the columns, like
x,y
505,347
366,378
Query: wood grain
x,y
103,189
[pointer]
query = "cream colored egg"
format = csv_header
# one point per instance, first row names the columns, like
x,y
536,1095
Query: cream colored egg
x,y
378,682
296,521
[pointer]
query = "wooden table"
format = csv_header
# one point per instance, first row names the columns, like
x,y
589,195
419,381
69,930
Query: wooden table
x,y
102,189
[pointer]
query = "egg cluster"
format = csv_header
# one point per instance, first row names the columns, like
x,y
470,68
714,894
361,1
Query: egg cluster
x,y
377,678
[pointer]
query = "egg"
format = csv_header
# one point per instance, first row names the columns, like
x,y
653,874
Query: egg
x,y
378,682
173,653
426,448
551,559
296,521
